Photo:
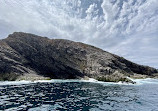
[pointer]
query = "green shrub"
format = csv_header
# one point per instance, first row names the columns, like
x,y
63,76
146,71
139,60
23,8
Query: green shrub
x,y
8,77
114,79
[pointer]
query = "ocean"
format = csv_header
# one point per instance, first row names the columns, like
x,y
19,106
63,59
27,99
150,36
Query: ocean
x,y
79,95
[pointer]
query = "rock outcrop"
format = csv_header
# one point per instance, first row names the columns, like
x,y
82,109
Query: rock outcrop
x,y
28,55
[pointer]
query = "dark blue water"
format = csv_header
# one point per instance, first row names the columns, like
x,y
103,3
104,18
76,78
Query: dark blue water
x,y
79,96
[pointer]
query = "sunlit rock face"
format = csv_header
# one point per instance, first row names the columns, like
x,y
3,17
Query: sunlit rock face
x,y
24,54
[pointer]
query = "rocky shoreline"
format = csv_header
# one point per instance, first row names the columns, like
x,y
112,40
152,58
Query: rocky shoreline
x,y
107,78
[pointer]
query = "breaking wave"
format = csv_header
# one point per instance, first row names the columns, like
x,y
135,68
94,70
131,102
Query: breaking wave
x,y
138,81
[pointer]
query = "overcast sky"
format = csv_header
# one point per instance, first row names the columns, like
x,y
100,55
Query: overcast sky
x,y
128,28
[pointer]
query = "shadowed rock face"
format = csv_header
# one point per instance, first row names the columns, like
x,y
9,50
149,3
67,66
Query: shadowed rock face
x,y
25,54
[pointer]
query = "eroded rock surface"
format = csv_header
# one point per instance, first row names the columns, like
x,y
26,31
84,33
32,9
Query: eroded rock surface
x,y
23,54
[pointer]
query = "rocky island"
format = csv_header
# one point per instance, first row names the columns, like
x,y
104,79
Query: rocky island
x,y
25,56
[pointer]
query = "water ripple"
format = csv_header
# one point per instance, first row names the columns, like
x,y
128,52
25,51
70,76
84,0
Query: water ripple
x,y
81,96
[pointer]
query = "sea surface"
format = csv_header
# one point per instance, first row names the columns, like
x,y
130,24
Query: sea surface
x,y
79,95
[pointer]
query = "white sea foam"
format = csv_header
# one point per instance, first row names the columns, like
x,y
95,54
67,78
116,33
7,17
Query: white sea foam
x,y
138,81
146,81
14,82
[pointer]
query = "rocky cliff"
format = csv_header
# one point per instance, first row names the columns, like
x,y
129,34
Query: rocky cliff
x,y
27,56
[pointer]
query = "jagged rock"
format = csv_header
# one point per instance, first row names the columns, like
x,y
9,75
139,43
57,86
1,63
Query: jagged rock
x,y
24,54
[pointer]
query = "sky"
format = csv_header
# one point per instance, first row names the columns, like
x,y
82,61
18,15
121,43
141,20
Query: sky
x,y
128,28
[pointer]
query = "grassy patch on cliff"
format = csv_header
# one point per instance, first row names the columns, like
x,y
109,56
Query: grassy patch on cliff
x,y
114,79
8,77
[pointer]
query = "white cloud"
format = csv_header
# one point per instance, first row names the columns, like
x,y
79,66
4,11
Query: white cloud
x,y
139,48
114,25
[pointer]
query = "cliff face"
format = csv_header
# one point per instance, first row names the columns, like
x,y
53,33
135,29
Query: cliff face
x,y
23,54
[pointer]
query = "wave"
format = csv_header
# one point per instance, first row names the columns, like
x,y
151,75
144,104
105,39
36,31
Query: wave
x,y
145,81
14,82
138,81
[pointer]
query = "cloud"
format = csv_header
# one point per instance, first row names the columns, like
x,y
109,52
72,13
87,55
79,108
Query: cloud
x,y
139,48
113,25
